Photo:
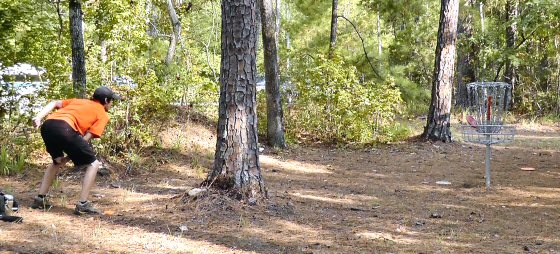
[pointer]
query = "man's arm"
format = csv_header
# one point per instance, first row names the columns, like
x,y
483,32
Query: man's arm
x,y
88,136
45,111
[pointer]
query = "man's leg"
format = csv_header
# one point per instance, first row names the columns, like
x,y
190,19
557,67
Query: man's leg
x,y
50,174
83,206
89,180
41,201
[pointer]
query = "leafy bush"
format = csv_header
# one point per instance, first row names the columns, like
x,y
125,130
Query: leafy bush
x,y
145,110
334,106
134,120
19,140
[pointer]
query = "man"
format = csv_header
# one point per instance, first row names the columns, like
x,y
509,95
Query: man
x,y
68,130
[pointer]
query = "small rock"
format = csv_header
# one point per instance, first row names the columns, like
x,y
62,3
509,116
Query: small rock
x,y
116,185
468,185
196,192
436,215
175,182
103,172
443,182
526,248
252,201
98,195
419,223
183,228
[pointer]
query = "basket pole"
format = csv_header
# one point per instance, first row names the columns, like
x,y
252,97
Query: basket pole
x,y
488,155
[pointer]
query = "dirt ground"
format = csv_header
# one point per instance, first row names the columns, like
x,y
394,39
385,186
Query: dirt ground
x,y
322,200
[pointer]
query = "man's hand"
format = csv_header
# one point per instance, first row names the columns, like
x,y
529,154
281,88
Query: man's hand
x,y
88,136
45,111
36,122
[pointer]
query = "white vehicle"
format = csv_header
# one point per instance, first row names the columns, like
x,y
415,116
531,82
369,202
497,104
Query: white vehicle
x,y
20,84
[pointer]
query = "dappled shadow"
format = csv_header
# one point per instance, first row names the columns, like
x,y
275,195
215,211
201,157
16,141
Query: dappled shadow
x,y
357,202
231,238
334,200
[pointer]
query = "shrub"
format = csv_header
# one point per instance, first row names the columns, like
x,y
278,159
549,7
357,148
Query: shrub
x,y
334,106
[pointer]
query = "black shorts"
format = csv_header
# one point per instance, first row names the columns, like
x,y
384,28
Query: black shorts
x,y
60,138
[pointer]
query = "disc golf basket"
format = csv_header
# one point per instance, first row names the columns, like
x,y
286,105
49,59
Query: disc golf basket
x,y
488,103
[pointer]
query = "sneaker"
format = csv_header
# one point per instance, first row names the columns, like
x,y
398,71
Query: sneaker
x,y
85,208
41,203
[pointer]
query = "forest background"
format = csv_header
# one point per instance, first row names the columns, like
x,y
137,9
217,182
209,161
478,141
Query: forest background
x,y
378,78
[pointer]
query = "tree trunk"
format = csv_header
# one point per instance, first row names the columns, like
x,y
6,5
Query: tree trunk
x,y
78,54
438,127
103,56
334,26
288,41
236,162
556,46
176,25
274,114
278,19
481,11
379,42
510,75
483,31
466,56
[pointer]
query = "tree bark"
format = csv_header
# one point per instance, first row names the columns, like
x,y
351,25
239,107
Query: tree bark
x,y
274,114
103,56
60,23
482,16
78,53
510,75
379,41
236,162
277,9
176,26
466,56
438,127
557,46
483,31
334,26
288,41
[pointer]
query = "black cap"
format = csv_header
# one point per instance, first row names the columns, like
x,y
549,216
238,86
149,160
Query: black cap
x,y
104,92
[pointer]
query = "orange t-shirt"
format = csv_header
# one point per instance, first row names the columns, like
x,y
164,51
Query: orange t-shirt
x,y
83,115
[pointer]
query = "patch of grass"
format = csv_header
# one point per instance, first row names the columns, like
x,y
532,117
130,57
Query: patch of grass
x,y
63,199
11,164
375,203
201,172
56,183
243,223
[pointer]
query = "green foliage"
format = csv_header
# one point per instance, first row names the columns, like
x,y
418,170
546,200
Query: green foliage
x,y
135,120
18,143
416,97
9,165
408,34
338,100
138,55
334,106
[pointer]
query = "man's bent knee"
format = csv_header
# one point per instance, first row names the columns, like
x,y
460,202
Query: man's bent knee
x,y
58,161
96,164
